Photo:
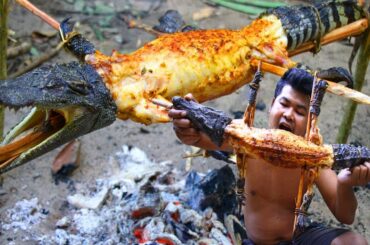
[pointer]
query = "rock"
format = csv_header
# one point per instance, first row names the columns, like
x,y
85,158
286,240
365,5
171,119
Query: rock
x,y
63,223
81,201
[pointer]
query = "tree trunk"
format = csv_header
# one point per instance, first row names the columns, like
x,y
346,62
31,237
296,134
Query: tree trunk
x,y
360,73
3,48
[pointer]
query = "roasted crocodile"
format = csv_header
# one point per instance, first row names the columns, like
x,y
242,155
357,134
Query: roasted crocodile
x,y
278,147
211,63
71,100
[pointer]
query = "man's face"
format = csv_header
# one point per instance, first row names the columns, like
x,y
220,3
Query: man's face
x,y
289,111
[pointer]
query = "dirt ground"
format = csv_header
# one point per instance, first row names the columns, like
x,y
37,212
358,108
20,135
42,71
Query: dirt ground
x,y
158,141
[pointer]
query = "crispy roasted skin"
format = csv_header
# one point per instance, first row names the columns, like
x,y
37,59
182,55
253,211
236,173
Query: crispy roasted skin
x,y
278,147
212,63
192,62
207,63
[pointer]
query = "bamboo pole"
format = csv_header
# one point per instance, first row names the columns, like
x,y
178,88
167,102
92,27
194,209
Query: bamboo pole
x,y
334,88
3,48
360,73
352,29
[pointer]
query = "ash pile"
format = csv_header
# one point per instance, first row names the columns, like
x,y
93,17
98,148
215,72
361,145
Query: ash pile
x,y
142,203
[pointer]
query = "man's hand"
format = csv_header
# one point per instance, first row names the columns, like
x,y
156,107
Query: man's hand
x,y
357,176
182,126
208,134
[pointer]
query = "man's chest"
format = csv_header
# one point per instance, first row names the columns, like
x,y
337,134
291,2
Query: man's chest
x,y
273,184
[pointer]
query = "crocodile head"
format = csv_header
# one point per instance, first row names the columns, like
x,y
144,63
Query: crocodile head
x,y
67,101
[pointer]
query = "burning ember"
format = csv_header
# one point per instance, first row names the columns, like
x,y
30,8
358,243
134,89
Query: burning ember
x,y
143,203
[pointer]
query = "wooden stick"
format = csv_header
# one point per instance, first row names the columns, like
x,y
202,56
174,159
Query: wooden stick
x,y
142,26
309,121
352,29
338,89
36,11
17,147
334,88
4,8
299,198
162,103
192,155
18,50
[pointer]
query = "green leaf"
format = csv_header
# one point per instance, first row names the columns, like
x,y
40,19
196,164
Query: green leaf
x,y
101,8
34,52
261,3
89,10
98,33
239,7
79,5
105,22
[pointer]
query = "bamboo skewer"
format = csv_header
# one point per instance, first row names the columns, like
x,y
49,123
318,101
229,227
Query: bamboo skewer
x,y
167,105
334,88
338,89
38,12
352,29
4,8
299,197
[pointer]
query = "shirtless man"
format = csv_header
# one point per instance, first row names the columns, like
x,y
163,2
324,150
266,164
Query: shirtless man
x,y
271,191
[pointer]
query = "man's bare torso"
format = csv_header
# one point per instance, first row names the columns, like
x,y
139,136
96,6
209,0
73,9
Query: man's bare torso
x,y
270,201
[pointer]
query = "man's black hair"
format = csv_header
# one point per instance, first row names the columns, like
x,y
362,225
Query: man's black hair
x,y
299,79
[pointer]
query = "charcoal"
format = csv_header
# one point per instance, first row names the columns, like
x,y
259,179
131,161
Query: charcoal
x,y
215,190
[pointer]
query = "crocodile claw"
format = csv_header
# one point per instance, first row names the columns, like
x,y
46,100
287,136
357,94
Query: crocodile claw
x,y
337,74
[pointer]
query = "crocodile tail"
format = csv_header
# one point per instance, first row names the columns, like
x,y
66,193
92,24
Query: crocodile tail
x,y
309,23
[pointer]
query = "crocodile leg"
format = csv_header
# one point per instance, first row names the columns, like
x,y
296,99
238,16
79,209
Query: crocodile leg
x,y
252,96
336,74
248,119
312,135
74,41
208,120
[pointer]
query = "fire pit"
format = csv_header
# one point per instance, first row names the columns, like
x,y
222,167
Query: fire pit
x,y
143,203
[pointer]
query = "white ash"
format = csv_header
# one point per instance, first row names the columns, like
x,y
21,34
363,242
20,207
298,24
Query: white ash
x,y
24,215
220,237
87,221
104,213
154,228
190,215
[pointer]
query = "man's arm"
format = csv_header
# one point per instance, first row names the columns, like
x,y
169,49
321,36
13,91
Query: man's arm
x,y
189,135
337,190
